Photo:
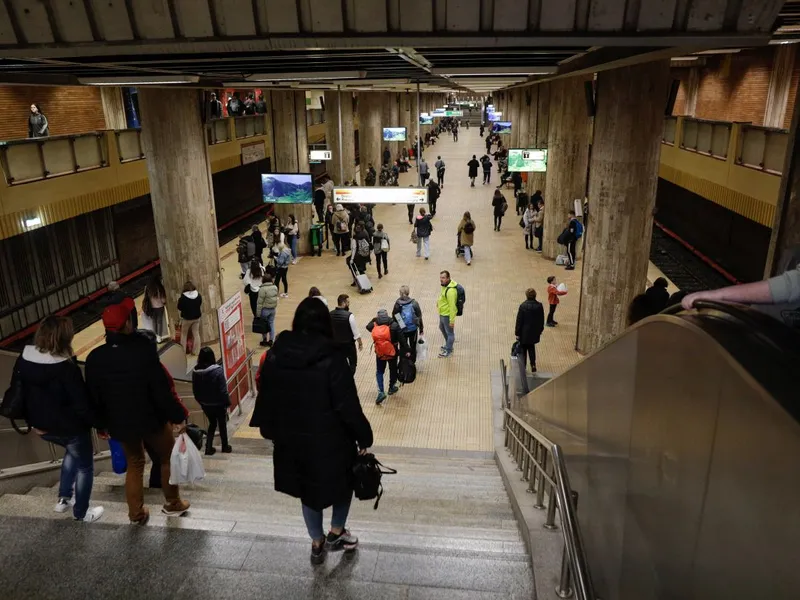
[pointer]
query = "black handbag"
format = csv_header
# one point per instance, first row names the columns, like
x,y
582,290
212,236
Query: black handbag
x,y
260,325
367,473
13,405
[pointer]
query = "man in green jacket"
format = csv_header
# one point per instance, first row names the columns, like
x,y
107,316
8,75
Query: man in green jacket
x,y
447,312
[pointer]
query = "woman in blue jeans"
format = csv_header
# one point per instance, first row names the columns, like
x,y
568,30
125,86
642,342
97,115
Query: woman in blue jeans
x,y
266,306
57,407
308,406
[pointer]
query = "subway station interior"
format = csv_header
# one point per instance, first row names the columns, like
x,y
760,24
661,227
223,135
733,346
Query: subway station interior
x,y
650,454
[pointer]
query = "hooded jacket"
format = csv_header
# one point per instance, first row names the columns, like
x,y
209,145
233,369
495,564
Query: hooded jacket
x,y
56,399
398,308
209,386
267,297
317,427
530,322
423,225
189,305
338,217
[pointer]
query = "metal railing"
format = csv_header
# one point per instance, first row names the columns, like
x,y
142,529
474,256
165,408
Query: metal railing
x,y
706,137
762,148
249,126
543,466
43,158
218,131
670,129
129,144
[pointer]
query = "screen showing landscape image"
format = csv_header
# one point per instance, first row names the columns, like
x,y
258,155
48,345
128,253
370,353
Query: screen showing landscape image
x,y
493,116
394,134
502,127
286,188
527,159
425,120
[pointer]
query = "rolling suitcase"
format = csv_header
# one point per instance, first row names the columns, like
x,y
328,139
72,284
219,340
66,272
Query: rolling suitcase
x,y
362,281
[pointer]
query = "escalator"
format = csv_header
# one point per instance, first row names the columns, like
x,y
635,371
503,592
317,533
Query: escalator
x,y
682,439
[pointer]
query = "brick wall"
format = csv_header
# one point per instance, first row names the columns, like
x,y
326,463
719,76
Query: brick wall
x,y
680,99
68,109
787,121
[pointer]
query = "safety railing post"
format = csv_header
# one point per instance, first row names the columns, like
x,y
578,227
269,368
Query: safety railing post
x,y
550,520
541,478
564,587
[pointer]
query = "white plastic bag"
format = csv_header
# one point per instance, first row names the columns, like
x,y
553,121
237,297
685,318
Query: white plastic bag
x,y
562,259
422,349
562,287
186,463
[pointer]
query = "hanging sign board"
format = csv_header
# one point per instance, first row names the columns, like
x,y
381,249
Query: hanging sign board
x,y
231,334
380,195
319,155
253,152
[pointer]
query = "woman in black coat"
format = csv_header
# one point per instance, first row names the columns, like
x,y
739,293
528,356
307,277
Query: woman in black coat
x,y
308,406
211,392
529,327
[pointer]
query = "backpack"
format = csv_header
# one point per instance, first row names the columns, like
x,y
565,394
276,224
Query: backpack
x,y
578,229
407,312
406,370
363,248
461,299
382,339
341,227
469,227
504,207
251,248
367,473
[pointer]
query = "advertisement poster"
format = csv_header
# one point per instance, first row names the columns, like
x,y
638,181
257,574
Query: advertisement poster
x,y
527,159
231,334
253,152
380,195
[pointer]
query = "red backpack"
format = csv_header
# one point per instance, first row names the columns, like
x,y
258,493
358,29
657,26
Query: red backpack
x,y
382,338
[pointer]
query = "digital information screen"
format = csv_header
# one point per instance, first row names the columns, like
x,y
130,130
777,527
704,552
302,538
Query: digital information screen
x,y
394,134
380,195
527,160
501,127
286,188
319,155
425,119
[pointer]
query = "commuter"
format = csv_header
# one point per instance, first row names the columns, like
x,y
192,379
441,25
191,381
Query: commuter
x,y
487,171
283,259
411,313
361,250
481,129
387,156
252,284
571,235
448,310
292,236
345,331
516,179
308,406
214,107
243,256
528,218
37,123
328,186
117,296
489,141
57,407
381,247
155,297
440,169
424,228
529,327
371,177
366,219
499,206
328,218
189,308
235,106
552,299
136,403
466,236
423,171
657,295
260,243
640,308
340,221
266,307
473,170
389,343
319,203
455,133
410,207
538,223
434,192
522,203
313,292
261,105
250,104
211,392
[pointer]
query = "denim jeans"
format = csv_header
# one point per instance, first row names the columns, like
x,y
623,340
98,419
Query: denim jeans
x,y
77,469
426,241
313,518
448,332
380,369
468,253
293,245
269,315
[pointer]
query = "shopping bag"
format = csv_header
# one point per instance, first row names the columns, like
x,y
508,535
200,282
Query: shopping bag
x,y
186,463
422,350
119,463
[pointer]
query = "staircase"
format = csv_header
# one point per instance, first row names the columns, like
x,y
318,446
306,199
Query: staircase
x,y
444,529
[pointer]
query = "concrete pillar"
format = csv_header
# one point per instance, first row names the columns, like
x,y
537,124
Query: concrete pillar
x,y
780,82
370,135
347,159
535,117
290,154
407,117
182,196
390,117
623,176
514,101
567,157
113,107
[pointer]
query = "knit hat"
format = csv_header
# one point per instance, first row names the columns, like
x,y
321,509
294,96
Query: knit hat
x,y
116,316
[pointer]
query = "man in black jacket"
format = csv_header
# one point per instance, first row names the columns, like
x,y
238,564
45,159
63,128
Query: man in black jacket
x,y
529,327
345,331
434,191
258,239
135,404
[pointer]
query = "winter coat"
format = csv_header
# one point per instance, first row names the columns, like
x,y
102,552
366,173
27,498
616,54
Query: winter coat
x,y
398,308
258,239
473,167
530,322
267,297
209,387
130,389
658,298
56,400
317,427
423,225
189,305
376,241
529,218
497,203
340,216
38,126
538,218
467,239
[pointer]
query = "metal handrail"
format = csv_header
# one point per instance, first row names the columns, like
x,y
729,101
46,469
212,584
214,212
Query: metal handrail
x,y
536,468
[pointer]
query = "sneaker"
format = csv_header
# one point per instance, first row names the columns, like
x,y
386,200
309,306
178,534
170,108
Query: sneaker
x,y
539,250
393,390
386,272
143,520
177,509
551,324
469,263
318,553
554,322
444,354
294,262
64,504
263,343
570,268
211,451
427,257
343,541
227,449
92,515
380,276
381,397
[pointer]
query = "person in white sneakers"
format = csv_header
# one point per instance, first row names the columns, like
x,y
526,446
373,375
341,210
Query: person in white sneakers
x,y
58,408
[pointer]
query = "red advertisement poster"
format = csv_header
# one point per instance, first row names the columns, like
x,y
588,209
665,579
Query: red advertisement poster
x,y
231,334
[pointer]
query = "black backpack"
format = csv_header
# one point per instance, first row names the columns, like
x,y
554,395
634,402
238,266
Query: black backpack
x,y
367,473
406,370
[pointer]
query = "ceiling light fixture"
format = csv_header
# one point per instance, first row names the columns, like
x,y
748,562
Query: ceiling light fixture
x,y
143,80
310,76
492,71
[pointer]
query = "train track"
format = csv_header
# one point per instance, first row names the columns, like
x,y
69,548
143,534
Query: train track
x,y
682,266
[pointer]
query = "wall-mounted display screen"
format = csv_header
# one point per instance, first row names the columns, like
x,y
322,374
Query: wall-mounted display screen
x,y
527,159
493,116
286,188
425,119
380,195
319,155
394,134
502,127
438,112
